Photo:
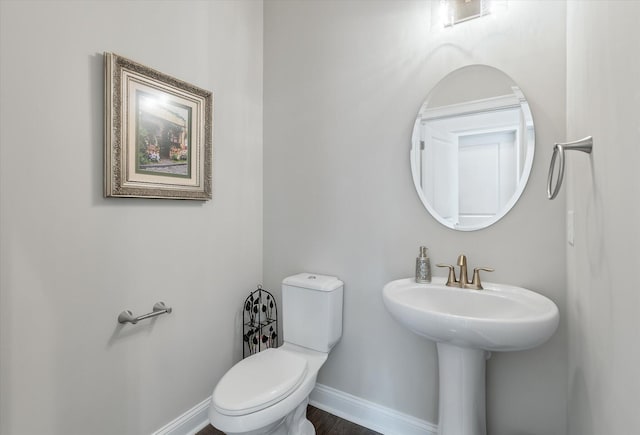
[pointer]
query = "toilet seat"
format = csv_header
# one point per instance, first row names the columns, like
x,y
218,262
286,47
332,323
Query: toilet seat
x,y
259,381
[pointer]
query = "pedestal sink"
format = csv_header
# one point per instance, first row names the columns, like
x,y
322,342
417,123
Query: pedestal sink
x,y
467,324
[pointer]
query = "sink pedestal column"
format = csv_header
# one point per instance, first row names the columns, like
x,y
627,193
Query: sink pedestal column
x,y
462,390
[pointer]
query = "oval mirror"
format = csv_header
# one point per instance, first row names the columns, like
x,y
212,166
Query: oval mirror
x,y
472,147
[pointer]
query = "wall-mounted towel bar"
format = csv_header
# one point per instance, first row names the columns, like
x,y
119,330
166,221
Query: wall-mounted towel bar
x,y
584,145
159,308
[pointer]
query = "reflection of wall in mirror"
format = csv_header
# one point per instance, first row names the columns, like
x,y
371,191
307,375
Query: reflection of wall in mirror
x,y
461,86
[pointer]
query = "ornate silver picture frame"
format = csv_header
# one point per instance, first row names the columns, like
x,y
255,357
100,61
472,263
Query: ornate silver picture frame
x,y
158,134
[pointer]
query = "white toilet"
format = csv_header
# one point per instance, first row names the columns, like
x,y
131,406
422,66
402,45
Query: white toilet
x,y
267,393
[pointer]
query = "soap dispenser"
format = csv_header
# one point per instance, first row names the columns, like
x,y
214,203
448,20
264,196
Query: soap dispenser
x,y
423,267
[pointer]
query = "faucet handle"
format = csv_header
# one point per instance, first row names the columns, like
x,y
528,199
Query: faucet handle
x,y
475,283
451,279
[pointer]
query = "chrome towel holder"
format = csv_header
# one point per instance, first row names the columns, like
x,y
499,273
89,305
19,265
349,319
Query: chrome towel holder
x,y
158,308
585,145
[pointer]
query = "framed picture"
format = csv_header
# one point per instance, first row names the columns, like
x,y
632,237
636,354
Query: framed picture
x,y
158,133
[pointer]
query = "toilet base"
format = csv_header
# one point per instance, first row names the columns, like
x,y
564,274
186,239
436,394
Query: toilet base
x,y
297,423
294,423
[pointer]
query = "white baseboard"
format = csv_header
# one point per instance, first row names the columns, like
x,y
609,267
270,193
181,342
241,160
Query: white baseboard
x,y
189,423
368,414
362,412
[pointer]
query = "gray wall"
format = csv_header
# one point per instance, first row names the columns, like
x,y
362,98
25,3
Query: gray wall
x,y
343,83
72,260
603,191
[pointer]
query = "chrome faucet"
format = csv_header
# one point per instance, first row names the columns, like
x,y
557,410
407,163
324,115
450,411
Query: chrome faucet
x,y
464,282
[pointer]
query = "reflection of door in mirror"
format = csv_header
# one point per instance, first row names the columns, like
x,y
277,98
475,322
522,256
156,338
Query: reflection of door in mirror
x,y
487,174
471,166
471,157
439,175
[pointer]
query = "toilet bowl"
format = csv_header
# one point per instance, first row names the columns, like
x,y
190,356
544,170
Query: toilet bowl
x,y
278,405
268,392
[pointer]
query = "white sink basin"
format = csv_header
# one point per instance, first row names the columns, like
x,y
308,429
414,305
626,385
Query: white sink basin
x,y
498,318
466,324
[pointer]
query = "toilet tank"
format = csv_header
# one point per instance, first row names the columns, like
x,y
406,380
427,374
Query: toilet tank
x,y
312,310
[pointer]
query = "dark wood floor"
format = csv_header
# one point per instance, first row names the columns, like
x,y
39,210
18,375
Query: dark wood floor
x,y
325,424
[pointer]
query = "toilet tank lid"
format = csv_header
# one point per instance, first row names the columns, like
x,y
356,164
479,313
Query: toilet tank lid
x,y
313,281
